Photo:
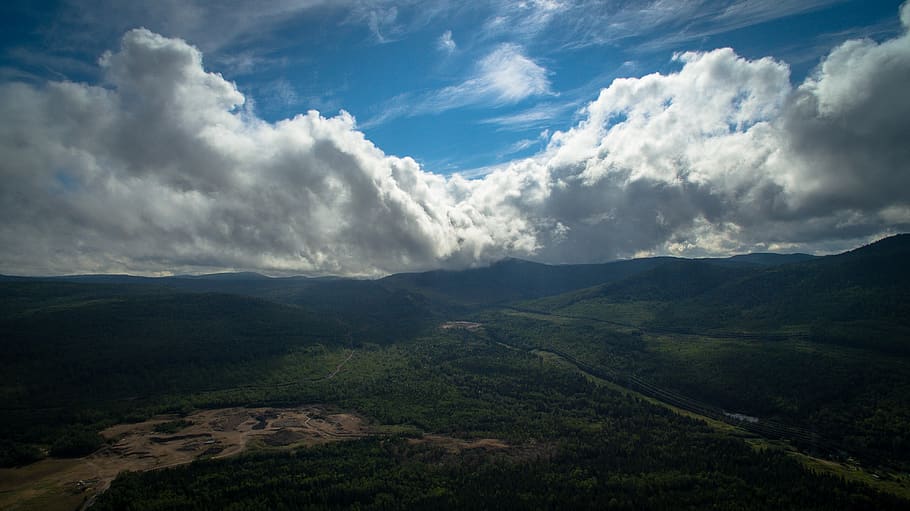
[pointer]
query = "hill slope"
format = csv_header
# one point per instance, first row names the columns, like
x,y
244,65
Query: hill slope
x,y
69,348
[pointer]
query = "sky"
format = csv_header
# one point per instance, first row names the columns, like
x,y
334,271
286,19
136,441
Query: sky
x,y
368,137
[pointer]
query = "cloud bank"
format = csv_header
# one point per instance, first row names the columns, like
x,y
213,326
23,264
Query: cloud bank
x,y
162,167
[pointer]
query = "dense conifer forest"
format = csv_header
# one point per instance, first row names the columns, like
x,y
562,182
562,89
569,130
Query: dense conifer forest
x,y
744,383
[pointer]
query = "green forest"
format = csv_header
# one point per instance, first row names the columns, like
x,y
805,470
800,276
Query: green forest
x,y
616,386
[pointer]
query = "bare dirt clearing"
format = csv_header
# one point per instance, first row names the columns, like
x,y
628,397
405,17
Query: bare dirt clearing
x,y
66,484
466,325
456,445
461,449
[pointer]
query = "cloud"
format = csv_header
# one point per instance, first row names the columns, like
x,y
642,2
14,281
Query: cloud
x,y
535,116
725,155
656,24
518,146
505,76
446,43
212,26
698,20
381,19
521,20
242,36
753,12
163,167
848,122
525,144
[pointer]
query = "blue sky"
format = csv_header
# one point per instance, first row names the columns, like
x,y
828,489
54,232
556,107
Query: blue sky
x,y
405,69
364,137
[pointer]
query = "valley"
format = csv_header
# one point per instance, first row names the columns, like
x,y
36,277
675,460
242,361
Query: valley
x,y
645,383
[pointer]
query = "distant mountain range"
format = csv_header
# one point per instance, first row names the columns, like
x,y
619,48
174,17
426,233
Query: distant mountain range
x,y
870,281
506,280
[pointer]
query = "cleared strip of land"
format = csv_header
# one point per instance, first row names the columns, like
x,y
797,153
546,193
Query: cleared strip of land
x,y
66,483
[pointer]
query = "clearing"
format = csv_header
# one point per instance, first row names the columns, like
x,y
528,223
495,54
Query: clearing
x,y
67,484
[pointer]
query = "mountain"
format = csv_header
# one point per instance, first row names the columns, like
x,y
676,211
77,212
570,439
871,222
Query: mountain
x,y
515,279
820,343
871,283
857,297
132,340
507,280
675,280
244,275
866,284
768,259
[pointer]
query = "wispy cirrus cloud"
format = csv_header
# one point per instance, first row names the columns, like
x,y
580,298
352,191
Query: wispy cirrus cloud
x,y
524,144
660,23
505,76
759,11
538,116
212,26
242,35
704,20
522,20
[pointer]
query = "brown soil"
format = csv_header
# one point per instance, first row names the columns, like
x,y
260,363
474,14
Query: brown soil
x,y
466,325
456,445
460,449
67,484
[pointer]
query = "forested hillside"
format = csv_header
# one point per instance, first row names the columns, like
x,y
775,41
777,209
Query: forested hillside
x,y
626,385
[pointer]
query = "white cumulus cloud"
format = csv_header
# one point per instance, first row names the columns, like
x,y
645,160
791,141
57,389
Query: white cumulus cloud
x,y
162,167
